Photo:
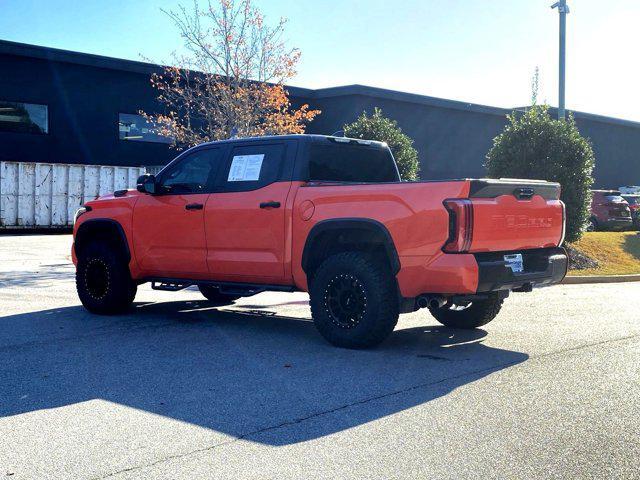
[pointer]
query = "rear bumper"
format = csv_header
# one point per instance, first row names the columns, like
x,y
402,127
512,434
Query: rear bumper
x,y
543,266
468,273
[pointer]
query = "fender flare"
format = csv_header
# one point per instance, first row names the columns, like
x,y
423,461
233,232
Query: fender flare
x,y
365,224
92,223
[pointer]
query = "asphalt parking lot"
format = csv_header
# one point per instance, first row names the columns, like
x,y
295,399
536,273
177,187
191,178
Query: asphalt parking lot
x,y
180,389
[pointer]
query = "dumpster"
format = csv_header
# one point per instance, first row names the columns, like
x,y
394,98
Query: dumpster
x,y
46,195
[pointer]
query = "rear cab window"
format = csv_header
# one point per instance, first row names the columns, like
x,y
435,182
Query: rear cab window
x,y
345,162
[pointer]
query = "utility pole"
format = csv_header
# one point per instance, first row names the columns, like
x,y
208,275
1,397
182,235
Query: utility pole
x,y
563,9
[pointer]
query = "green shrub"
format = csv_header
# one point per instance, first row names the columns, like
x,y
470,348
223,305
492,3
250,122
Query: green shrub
x,y
383,129
533,145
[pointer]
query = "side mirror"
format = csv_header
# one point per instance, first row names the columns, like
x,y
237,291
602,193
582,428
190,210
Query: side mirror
x,y
146,183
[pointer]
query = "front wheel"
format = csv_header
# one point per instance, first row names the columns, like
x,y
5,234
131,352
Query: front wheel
x,y
353,300
103,280
468,315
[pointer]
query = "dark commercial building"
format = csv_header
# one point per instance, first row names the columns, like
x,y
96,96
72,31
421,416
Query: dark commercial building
x,y
65,107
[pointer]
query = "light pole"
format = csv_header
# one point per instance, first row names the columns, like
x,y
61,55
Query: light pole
x,y
563,9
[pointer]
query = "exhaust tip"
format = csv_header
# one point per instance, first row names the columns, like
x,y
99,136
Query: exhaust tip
x,y
431,301
423,302
434,303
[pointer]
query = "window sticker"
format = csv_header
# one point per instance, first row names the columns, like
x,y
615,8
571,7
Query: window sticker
x,y
245,168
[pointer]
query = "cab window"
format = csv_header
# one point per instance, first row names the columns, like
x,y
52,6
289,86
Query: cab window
x,y
251,167
194,173
351,163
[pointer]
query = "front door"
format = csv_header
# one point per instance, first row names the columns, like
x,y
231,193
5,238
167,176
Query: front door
x,y
245,217
168,227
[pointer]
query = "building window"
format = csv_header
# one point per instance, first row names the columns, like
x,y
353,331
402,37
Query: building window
x,y
135,128
22,117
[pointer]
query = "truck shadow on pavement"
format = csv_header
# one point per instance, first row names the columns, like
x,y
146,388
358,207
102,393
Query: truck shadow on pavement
x,y
263,378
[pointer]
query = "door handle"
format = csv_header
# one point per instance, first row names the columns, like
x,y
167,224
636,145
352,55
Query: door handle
x,y
270,205
194,206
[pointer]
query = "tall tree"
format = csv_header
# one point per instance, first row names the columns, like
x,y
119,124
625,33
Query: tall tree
x,y
230,80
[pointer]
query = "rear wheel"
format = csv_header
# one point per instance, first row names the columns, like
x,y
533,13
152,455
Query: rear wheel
x,y
353,300
103,280
213,294
592,226
467,315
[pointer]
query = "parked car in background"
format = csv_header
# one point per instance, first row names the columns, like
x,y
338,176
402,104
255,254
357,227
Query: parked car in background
x,y
634,206
630,190
609,211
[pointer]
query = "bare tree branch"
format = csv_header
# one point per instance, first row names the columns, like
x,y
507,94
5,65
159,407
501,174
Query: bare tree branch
x,y
231,79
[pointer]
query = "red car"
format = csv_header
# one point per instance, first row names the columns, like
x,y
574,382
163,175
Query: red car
x,y
634,205
325,215
609,211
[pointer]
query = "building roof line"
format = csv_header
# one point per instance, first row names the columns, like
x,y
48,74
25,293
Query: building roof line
x,y
90,59
100,61
365,90
589,116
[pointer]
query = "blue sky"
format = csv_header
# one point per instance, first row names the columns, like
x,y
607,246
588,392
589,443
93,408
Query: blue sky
x,y
482,51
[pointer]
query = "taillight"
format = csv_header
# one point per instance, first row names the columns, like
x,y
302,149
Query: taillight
x,y
460,225
564,223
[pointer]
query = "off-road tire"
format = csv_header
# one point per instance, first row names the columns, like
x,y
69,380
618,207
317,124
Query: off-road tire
x,y
103,280
479,313
213,294
373,285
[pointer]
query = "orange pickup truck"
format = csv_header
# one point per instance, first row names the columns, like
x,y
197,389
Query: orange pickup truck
x,y
326,215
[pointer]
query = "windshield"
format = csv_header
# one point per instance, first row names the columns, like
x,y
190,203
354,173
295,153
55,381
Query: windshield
x,y
351,163
614,198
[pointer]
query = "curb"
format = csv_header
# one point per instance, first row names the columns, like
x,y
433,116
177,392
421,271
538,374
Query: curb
x,y
601,279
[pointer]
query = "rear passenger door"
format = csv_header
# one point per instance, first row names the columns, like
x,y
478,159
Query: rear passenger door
x,y
245,217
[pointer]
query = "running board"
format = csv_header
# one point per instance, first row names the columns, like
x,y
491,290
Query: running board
x,y
241,290
169,286
228,288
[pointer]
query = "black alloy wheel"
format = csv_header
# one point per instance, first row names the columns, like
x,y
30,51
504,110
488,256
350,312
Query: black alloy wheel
x,y
97,278
103,280
345,300
354,300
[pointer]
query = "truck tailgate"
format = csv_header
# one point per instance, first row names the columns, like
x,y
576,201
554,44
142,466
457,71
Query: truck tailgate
x,y
511,215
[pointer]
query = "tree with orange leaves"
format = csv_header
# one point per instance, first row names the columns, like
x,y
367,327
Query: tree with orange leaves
x,y
230,80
